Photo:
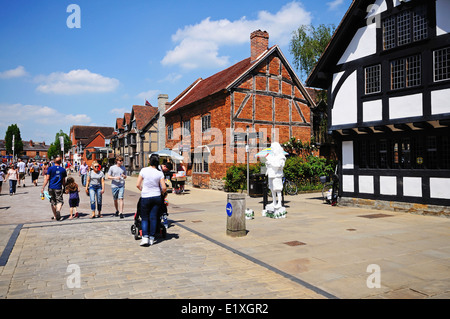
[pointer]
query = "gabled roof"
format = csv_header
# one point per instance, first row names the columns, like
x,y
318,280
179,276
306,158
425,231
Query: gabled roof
x,y
93,137
85,132
354,18
143,114
126,119
226,79
119,123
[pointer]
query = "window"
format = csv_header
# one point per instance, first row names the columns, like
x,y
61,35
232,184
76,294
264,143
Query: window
x,y
373,79
186,128
201,162
420,151
170,131
441,64
206,122
405,27
406,72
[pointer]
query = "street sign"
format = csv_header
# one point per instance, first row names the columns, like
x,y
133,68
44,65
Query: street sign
x,y
229,209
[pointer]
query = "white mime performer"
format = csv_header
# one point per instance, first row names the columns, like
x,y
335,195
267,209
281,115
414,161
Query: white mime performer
x,y
275,163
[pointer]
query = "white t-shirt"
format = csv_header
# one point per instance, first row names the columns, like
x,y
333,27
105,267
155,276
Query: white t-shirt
x,y
21,166
151,186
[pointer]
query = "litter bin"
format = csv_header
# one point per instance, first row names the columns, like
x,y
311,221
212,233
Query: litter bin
x,y
236,215
256,185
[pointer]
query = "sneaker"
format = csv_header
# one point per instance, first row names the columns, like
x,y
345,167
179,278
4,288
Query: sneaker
x,y
121,215
152,240
144,242
117,213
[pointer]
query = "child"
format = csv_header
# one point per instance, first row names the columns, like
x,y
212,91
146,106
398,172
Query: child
x,y
164,212
74,199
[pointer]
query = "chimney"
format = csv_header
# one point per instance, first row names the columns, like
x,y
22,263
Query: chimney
x,y
259,43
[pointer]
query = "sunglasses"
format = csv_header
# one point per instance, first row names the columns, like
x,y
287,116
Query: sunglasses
x,y
96,166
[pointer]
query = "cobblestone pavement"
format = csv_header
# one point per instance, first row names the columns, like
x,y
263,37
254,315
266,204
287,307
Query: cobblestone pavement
x,y
317,252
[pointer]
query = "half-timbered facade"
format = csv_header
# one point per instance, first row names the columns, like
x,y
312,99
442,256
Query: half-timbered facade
x,y
261,93
387,72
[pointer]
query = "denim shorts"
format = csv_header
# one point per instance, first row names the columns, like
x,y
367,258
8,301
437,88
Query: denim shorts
x,y
117,192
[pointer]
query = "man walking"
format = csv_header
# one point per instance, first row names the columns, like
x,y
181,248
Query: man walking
x,y
22,171
56,179
83,172
117,173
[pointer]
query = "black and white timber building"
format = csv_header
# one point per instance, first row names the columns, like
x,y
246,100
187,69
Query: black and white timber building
x,y
387,74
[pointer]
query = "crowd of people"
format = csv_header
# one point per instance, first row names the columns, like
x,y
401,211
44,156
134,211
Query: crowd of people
x,y
151,183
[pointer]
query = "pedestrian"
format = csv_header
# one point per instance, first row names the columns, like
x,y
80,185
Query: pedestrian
x,y
56,180
84,168
117,173
2,178
21,167
152,185
34,170
95,187
13,176
74,198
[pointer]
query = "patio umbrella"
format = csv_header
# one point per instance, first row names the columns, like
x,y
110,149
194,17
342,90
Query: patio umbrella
x,y
169,153
266,152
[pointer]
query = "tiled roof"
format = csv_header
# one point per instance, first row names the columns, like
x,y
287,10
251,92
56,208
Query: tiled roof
x,y
143,114
214,84
85,132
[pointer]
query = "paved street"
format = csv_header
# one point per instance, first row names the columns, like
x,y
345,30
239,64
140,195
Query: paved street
x,y
317,252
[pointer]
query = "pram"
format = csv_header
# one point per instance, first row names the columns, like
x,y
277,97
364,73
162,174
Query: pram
x,y
136,228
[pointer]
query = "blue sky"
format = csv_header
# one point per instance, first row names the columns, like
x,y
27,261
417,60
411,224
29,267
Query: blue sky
x,y
126,52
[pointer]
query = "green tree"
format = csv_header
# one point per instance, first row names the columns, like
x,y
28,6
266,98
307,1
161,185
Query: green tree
x,y
13,129
55,147
307,45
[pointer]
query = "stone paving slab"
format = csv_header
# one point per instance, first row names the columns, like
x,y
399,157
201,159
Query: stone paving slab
x,y
198,259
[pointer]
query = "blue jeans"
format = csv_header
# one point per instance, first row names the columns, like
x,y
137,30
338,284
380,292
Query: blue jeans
x,y
149,214
83,179
95,190
12,186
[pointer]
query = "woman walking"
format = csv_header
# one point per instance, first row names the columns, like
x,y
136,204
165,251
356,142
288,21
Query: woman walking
x,y
151,184
13,175
95,187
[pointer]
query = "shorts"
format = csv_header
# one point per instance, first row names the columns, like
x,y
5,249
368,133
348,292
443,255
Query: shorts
x,y
117,192
21,176
56,196
74,202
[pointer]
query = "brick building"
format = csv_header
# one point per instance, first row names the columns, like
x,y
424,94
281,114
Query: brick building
x,y
261,93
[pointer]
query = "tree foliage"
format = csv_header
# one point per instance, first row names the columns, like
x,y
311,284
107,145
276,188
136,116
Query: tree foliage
x,y
13,129
307,45
55,147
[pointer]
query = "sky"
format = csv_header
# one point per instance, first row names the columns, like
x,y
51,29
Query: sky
x,y
87,62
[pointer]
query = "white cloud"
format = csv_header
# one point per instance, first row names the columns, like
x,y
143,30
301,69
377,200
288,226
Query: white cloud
x,y
39,115
76,82
119,111
13,73
333,5
198,45
147,95
171,78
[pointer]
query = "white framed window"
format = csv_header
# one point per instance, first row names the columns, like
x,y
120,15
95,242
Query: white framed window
x,y
406,72
201,162
441,64
405,27
372,76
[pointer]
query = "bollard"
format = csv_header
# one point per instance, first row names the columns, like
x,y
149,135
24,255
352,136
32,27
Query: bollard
x,y
236,215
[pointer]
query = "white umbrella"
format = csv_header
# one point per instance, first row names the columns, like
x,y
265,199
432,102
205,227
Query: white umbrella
x,y
169,153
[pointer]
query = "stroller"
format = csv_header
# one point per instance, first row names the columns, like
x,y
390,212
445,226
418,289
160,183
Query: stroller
x,y
136,228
